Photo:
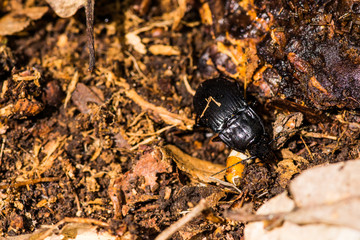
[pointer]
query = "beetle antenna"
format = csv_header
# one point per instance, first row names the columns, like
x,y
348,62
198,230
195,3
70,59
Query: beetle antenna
x,y
244,160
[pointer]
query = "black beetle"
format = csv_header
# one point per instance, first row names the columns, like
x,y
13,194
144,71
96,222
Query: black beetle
x,y
219,105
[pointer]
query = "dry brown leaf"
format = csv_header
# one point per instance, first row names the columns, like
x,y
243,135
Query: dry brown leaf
x,y
147,169
84,95
18,20
66,8
195,168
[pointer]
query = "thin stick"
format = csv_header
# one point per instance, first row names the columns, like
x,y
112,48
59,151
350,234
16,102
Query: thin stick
x,y
307,148
167,233
29,182
2,148
208,100
318,135
188,87
89,10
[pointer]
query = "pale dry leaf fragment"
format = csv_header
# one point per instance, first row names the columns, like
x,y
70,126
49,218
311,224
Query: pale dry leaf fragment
x,y
327,184
66,8
256,231
35,13
320,222
18,20
345,213
3,128
327,206
166,50
285,127
134,40
279,203
195,168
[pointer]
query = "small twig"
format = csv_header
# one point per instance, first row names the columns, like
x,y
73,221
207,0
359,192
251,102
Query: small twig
x,y
78,205
146,141
208,100
29,182
338,141
307,148
137,118
168,117
188,87
2,149
318,135
136,65
167,233
89,10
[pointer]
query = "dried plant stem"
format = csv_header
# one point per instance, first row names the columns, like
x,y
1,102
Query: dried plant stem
x,y
29,182
89,10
